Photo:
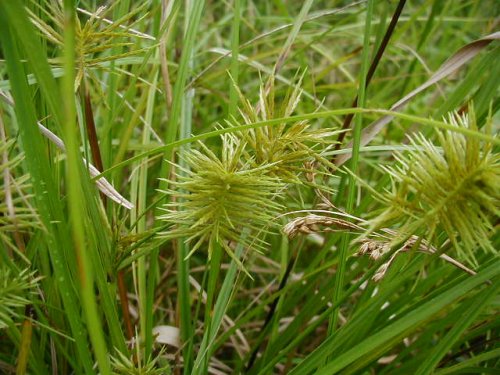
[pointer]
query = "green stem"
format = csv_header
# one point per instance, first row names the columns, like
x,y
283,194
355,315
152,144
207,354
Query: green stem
x,y
344,247
416,120
76,209
25,345
147,266
180,126
235,44
201,365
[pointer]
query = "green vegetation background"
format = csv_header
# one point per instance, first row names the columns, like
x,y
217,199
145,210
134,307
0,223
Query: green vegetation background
x,y
267,202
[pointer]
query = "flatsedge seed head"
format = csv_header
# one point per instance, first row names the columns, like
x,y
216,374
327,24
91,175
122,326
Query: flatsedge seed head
x,y
216,199
284,147
453,188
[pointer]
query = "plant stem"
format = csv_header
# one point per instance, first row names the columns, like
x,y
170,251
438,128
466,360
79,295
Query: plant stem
x,y
344,247
76,210
26,336
270,314
373,67
201,367
235,44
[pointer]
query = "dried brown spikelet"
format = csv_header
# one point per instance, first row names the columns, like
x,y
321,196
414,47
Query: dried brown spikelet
x,y
376,249
316,223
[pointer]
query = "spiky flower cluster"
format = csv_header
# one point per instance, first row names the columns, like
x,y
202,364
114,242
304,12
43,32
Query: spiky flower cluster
x,y
234,197
137,365
454,188
16,213
287,147
218,198
95,36
14,290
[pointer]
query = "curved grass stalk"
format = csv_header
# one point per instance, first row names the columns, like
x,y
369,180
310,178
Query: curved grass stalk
x,y
422,121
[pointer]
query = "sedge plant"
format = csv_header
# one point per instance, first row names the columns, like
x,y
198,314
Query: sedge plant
x,y
196,187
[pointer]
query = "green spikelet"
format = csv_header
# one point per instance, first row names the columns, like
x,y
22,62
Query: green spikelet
x,y
454,188
137,365
221,197
94,39
14,294
16,212
286,147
